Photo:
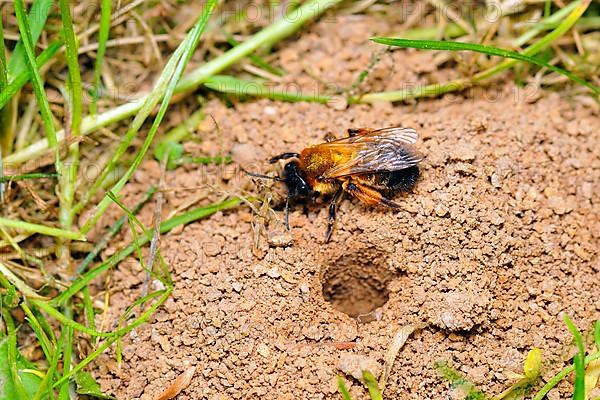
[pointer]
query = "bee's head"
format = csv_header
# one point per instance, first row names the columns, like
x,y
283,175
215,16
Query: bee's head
x,y
295,181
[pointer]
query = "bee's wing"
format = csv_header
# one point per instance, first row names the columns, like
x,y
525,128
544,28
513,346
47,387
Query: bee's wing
x,y
382,150
403,135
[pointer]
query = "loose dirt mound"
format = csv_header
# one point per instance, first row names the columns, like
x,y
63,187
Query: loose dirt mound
x,y
499,237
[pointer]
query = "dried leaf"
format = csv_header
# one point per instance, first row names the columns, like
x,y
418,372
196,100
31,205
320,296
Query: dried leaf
x,y
180,383
397,343
592,374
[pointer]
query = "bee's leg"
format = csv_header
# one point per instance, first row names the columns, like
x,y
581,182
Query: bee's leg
x,y
287,212
368,195
283,156
332,205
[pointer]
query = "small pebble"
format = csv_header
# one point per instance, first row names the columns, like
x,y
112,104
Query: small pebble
x,y
354,364
273,273
280,239
263,350
237,286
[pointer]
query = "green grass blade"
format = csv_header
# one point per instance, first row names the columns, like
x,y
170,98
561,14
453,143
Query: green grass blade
x,y
244,88
100,349
44,230
31,176
113,231
36,79
23,77
597,335
544,42
479,48
38,14
70,166
578,363
133,222
119,256
576,334
45,389
88,311
87,385
7,115
343,389
456,379
280,29
67,321
63,389
7,274
130,215
74,78
46,385
557,17
372,385
188,46
165,81
275,32
9,344
183,130
258,61
197,214
103,34
47,346
437,89
3,65
578,360
149,103
547,8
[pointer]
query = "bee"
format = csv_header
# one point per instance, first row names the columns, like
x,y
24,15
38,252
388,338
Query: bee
x,y
369,164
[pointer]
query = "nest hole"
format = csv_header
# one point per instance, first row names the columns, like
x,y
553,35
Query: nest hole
x,y
357,284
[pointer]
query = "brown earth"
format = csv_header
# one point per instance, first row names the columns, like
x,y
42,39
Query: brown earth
x,y
499,237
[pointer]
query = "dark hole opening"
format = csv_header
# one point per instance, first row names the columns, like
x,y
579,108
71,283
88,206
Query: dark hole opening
x,y
357,285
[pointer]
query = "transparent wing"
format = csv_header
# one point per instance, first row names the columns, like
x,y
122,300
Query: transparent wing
x,y
382,150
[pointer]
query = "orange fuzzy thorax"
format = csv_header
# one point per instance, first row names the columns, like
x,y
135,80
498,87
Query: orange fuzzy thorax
x,y
317,161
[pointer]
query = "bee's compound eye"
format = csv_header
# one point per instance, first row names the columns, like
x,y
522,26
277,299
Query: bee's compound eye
x,y
291,168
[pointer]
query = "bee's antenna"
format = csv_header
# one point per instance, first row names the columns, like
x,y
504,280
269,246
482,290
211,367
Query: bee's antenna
x,y
274,178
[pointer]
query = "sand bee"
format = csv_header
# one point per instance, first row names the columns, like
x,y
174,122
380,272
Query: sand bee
x,y
369,164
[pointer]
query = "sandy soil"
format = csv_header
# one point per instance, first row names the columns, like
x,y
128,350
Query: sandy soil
x,y
499,237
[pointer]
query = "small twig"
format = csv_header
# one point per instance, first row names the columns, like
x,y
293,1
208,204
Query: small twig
x,y
19,284
112,232
578,42
277,31
119,16
189,201
375,59
125,41
149,36
157,221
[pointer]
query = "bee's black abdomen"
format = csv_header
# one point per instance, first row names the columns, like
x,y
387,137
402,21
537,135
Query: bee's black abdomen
x,y
403,180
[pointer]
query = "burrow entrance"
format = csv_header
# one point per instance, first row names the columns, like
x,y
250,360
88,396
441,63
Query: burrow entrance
x,y
357,283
